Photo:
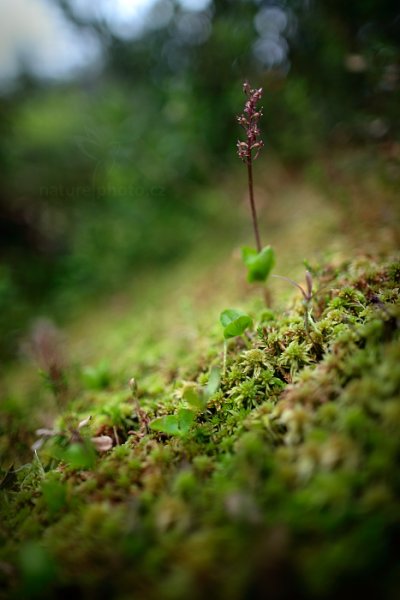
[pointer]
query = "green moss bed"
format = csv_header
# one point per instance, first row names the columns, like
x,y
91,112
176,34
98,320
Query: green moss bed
x,y
282,483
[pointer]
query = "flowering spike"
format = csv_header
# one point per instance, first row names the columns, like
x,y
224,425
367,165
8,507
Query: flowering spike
x,y
250,149
249,121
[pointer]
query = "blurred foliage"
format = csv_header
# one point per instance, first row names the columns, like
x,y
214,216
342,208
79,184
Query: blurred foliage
x,y
100,174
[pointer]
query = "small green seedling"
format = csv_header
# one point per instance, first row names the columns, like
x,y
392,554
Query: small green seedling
x,y
178,424
197,398
234,322
259,264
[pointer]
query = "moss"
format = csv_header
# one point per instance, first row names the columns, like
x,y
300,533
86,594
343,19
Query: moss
x,y
288,469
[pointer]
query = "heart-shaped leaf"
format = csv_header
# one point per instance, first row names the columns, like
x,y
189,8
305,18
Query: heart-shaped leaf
x,y
259,264
178,424
235,322
168,424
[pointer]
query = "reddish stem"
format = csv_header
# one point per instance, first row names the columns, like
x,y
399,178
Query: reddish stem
x,y
252,203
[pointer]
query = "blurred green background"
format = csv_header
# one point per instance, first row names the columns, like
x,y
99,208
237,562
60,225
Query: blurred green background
x,y
114,115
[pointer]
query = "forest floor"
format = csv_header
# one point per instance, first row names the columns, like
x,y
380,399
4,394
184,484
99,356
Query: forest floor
x,y
277,474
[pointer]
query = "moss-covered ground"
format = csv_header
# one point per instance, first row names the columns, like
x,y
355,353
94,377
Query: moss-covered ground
x,y
275,479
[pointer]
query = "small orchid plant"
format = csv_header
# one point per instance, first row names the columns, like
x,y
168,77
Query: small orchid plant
x,y
259,261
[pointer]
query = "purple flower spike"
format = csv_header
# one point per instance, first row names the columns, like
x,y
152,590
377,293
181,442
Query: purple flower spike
x,y
249,119
249,149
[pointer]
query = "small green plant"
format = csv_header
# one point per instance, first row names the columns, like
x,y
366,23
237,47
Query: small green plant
x,y
196,397
259,264
259,261
178,424
234,323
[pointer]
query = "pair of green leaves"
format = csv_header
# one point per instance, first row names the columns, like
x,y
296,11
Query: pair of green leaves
x,y
196,397
178,424
259,264
235,322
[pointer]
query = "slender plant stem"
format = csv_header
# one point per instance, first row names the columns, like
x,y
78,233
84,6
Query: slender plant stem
x,y
252,203
307,318
41,469
225,356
